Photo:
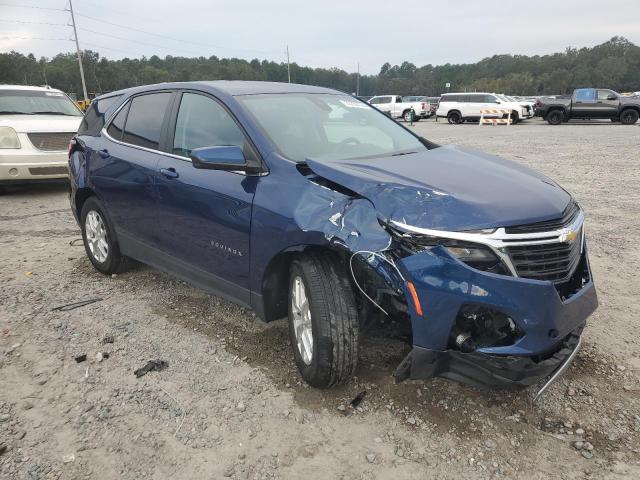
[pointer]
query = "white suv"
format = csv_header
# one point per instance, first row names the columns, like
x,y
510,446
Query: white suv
x,y
36,124
458,107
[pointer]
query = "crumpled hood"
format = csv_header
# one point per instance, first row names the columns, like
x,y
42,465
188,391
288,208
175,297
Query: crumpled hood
x,y
41,123
449,188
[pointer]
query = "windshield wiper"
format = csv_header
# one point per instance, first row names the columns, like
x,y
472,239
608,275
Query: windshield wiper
x,y
49,112
402,153
14,112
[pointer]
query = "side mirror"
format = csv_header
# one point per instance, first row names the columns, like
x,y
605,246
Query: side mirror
x,y
219,158
498,102
612,97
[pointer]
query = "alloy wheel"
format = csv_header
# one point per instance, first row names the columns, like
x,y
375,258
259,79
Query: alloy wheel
x,y
96,234
302,320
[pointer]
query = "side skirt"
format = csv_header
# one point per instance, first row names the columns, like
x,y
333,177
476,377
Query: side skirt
x,y
197,277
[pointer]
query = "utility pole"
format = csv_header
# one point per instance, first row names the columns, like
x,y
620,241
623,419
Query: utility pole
x,y
288,66
358,81
75,36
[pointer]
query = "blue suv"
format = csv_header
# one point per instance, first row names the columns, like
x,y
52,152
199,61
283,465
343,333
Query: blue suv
x,y
307,203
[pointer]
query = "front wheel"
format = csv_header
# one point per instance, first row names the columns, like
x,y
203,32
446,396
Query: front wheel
x,y
323,320
629,116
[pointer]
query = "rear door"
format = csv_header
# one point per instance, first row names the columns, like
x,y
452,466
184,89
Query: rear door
x,y
205,214
124,164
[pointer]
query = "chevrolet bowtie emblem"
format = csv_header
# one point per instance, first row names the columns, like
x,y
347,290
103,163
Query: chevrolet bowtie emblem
x,y
570,236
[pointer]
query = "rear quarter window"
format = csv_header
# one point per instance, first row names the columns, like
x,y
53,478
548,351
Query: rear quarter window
x,y
95,117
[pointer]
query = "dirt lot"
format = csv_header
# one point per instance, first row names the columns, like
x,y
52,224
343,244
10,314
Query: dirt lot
x,y
231,404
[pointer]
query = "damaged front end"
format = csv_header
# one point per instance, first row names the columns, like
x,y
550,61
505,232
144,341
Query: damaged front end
x,y
493,307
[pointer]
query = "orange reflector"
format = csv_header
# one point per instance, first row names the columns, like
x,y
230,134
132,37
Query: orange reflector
x,y
414,296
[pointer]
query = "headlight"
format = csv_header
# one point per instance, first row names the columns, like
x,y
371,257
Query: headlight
x,y
475,255
472,254
8,138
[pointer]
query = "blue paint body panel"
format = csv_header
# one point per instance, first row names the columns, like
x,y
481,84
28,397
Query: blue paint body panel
x,y
231,227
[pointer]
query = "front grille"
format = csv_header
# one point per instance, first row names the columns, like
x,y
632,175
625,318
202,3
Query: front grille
x,y
51,141
555,262
567,217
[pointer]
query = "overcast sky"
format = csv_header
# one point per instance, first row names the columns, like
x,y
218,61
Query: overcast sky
x,y
319,33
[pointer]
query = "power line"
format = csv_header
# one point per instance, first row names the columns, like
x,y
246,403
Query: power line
x,y
127,39
167,37
31,6
34,23
35,38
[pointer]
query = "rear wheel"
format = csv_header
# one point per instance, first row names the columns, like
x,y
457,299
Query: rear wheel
x,y
555,117
629,116
99,239
515,118
323,320
454,117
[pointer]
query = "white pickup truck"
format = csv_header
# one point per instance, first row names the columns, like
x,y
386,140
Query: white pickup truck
x,y
395,107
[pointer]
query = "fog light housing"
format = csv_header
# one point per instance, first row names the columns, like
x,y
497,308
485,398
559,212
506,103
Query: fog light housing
x,y
478,326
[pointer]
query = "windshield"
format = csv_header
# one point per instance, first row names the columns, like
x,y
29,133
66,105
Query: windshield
x,y
31,102
327,127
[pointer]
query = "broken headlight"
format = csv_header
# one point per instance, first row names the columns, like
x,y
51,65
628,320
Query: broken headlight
x,y
475,255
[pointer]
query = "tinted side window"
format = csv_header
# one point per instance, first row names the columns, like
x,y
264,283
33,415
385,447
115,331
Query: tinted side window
x,y
374,101
449,98
604,94
94,119
384,100
117,125
585,95
145,118
203,122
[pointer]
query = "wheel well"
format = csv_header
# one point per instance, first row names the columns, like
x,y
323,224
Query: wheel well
x,y
630,107
81,196
275,282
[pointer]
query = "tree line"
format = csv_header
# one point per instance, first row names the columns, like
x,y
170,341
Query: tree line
x,y
614,64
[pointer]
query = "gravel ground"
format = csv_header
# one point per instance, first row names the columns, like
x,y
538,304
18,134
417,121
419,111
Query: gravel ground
x,y
231,404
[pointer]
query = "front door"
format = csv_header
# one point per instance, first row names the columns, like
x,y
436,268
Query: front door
x,y
607,104
204,216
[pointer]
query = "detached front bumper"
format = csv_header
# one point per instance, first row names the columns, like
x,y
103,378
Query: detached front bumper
x,y
549,327
487,371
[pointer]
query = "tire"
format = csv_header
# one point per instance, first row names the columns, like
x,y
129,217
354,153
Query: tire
x,y
99,238
406,116
454,118
515,118
331,318
629,116
555,117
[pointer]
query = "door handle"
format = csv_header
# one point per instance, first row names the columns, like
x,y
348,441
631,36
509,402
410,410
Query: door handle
x,y
104,153
169,172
